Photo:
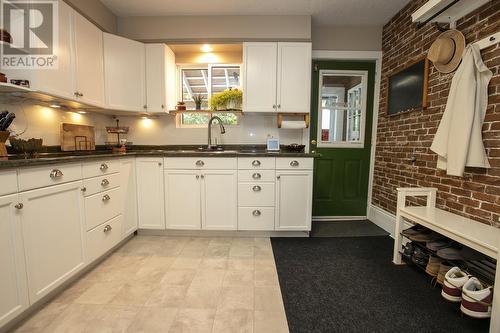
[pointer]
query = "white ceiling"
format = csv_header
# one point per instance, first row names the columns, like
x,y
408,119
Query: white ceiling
x,y
324,12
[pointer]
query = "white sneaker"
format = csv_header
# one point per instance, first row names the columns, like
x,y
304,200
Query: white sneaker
x,y
454,280
476,299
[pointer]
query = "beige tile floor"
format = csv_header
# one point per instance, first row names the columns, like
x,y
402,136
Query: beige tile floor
x,y
172,284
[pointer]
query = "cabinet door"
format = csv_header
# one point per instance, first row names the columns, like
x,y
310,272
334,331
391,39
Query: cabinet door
x,y
13,287
219,200
52,221
89,68
294,200
124,73
129,190
183,199
151,214
259,80
294,77
160,78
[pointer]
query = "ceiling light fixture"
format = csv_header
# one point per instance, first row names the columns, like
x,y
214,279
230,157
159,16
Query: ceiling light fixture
x,y
206,48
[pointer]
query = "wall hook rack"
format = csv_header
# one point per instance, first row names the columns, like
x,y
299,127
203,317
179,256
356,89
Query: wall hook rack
x,y
488,41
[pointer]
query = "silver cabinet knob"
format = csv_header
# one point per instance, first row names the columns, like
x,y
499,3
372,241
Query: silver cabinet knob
x,y
107,228
56,173
19,206
162,106
144,106
197,177
104,167
159,163
106,198
256,163
294,163
83,189
274,106
80,95
256,188
202,176
278,177
104,182
256,212
279,106
200,163
76,93
256,176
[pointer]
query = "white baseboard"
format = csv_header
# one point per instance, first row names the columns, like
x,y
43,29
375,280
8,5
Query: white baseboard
x,y
384,219
222,233
337,218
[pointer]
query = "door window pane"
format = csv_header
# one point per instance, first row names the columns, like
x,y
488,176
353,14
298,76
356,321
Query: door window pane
x,y
342,109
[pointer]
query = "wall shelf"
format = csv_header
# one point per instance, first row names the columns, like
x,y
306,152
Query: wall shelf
x,y
445,11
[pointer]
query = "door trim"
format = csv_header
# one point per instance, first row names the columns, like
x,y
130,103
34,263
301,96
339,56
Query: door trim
x,y
360,55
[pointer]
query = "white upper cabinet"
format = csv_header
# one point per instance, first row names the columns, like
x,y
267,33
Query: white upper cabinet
x,y
160,78
13,285
277,77
259,79
89,71
294,77
124,73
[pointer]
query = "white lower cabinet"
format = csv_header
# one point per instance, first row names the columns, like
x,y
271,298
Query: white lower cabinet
x,y
182,199
293,199
102,238
150,203
13,285
52,223
219,200
128,184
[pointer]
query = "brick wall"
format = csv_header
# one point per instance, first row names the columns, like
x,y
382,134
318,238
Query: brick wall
x,y
477,194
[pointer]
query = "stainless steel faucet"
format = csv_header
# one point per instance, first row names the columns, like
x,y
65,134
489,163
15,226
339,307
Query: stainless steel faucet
x,y
222,130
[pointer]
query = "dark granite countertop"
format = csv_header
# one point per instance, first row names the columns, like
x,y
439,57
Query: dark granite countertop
x,y
55,157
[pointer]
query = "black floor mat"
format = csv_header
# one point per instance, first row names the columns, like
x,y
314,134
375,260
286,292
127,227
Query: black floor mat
x,y
351,285
360,228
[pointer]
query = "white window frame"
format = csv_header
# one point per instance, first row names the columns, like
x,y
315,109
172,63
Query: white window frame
x,y
180,67
364,85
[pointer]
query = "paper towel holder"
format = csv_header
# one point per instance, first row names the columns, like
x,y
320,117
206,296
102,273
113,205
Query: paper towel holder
x,y
304,115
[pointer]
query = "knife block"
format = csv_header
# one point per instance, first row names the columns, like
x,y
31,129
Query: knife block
x,y
4,135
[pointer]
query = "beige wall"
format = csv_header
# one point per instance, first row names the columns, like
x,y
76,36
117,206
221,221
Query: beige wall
x,y
215,28
347,38
96,12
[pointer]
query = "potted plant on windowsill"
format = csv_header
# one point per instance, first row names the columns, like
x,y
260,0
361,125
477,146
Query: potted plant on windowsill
x,y
228,100
198,101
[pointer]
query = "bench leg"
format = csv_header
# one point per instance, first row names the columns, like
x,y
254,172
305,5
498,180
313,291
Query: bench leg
x,y
398,240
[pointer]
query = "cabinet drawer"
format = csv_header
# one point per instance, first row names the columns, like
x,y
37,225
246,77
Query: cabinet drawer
x,y
256,176
31,178
99,184
300,163
99,168
251,163
255,218
102,207
103,237
214,163
256,194
8,181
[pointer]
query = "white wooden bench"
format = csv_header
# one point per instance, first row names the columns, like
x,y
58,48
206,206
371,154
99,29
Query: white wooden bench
x,y
478,236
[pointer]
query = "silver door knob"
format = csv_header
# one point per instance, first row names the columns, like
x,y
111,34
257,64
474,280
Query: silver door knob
x,y
106,198
104,182
107,228
19,206
56,173
256,176
313,142
256,188
294,163
200,163
256,163
256,212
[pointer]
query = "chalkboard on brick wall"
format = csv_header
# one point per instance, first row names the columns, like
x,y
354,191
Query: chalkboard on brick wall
x,y
407,88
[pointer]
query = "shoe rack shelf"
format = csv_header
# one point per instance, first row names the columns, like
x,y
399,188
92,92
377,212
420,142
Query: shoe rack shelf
x,y
480,237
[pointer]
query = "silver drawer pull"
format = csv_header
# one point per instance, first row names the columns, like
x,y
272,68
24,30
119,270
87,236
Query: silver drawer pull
x,y
294,163
107,228
56,173
256,176
104,182
200,163
256,212
256,188
104,167
19,206
256,163
106,198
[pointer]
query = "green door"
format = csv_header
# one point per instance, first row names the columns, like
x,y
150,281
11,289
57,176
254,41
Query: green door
x,y
341,130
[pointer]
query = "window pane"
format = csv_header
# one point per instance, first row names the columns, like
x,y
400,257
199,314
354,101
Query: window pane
x,y
194,82
201,118
225,77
